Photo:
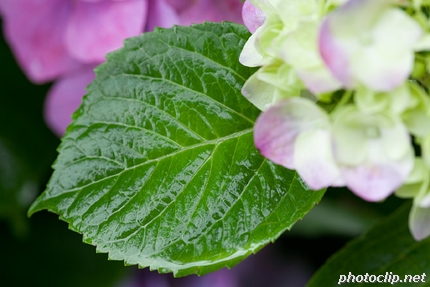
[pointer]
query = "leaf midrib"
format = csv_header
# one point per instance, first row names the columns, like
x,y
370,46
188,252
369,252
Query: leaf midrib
x,y
215,142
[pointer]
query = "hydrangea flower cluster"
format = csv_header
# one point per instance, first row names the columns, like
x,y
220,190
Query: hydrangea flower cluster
x,y
344,90
65,40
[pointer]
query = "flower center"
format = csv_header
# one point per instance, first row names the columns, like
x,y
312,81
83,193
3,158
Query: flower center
x,y
372,132
366,39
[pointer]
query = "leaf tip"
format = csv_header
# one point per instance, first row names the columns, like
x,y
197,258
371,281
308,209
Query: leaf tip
x,y
35,207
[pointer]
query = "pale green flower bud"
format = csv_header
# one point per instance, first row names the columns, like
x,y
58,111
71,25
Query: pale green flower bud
x,y
417,187
425,149
371,101
417,115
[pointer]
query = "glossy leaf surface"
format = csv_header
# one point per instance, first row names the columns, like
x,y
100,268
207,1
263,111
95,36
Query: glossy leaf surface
x,y
159,167
387,249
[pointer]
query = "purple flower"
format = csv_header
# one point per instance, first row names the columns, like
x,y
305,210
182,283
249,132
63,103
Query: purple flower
x,y
253,17
54,38
64,40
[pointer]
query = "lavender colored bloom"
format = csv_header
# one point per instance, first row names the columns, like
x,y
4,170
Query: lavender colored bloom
x,y
253,17
64,98
64,40
53,38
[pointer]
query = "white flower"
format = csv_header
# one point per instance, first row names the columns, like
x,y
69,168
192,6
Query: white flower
x,y
300,50
371,43
370,154
295,133
373,150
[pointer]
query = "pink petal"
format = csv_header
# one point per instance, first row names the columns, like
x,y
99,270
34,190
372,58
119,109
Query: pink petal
x,y
64,98
275,138
252,16
334,55
276,129
34,29
212,11
375,182
372,183
179,5
161,14
96,28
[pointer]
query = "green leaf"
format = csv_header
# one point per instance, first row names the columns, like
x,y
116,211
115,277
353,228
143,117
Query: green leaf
x,y
159,167
387,249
